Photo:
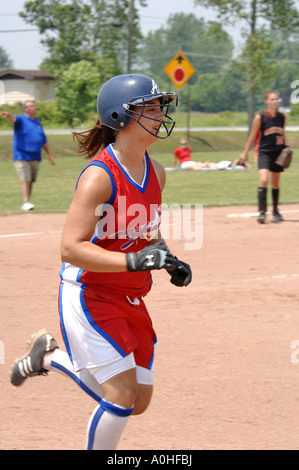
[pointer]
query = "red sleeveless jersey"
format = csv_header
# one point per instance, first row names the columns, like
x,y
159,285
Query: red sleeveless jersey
x,y
127,222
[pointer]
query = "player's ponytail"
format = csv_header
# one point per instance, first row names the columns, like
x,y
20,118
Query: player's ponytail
x,y
94,140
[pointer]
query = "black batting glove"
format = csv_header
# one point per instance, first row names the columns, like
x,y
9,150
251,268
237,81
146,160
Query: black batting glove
x,y
181,274
153,256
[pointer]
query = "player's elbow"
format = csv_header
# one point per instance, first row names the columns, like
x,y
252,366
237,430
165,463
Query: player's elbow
x,y
65,256
66,252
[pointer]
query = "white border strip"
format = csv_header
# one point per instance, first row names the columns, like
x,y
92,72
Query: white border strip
x,y
11,235
277,277
255,214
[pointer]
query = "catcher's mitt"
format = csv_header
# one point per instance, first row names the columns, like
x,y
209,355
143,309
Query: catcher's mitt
x,y
285,157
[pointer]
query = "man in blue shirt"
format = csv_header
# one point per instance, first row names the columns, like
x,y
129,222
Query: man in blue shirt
x,y
28,142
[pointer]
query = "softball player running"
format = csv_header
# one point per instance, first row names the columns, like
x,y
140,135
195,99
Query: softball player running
x,y
110,245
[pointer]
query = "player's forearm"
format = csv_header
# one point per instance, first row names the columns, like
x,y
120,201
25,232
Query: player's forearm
x,y
91,257
250,142
252,136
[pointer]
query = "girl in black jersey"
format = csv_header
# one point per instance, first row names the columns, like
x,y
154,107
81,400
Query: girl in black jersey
x,y
267,134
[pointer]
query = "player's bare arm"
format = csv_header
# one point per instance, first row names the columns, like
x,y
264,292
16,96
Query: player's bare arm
x,y
161,175
252,136
93,190
160,172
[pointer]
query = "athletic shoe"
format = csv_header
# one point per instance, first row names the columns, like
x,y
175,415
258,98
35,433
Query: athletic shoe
x,y
30,364
27,206
277,217
261,218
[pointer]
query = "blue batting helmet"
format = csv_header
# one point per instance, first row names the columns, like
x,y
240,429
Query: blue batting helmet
x,y
119,94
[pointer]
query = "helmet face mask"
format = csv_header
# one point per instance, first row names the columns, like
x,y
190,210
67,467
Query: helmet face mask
x,y
125,97
136,112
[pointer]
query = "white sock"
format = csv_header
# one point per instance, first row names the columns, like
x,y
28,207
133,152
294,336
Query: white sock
x,y
106,426
59,361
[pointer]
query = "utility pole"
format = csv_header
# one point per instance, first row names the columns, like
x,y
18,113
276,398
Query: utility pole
x,y
130,35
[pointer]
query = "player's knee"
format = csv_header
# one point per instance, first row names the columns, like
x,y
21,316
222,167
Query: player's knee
x,y
121,389
139,407
263,181
143,399
129,394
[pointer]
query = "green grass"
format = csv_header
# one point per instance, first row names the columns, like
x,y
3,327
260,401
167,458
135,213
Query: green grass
x,y
196,119
225,118
55,186
227,187
52,192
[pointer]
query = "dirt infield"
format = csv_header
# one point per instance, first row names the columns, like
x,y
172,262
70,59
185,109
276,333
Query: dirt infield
x,y
226,364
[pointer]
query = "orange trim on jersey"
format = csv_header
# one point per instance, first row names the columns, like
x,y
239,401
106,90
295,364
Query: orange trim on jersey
x,y
270,115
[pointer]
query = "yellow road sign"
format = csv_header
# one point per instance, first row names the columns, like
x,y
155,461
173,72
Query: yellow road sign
x,y
179,69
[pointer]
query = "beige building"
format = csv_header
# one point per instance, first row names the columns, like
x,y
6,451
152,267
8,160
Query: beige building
x,y
21,85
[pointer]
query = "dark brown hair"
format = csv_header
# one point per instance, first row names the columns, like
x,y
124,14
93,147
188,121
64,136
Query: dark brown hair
x,y
94,140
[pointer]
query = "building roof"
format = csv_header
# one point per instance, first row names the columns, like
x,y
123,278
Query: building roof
x,y
25,75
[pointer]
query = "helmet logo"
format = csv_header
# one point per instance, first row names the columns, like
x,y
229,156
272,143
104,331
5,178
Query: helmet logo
x,y
155,88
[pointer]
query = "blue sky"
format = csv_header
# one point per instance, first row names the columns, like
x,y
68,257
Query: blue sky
x,y
25,50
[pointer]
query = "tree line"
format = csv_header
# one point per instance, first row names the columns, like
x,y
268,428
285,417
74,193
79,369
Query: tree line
x,y
87,42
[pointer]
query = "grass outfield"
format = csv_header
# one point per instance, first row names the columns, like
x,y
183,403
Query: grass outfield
x,y
54,188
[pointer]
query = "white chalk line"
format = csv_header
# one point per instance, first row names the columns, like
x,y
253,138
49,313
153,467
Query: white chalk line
x,y
255,214
28,234
277,277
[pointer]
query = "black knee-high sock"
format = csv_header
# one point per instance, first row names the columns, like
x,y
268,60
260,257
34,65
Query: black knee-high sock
x,y
275,195
262,199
